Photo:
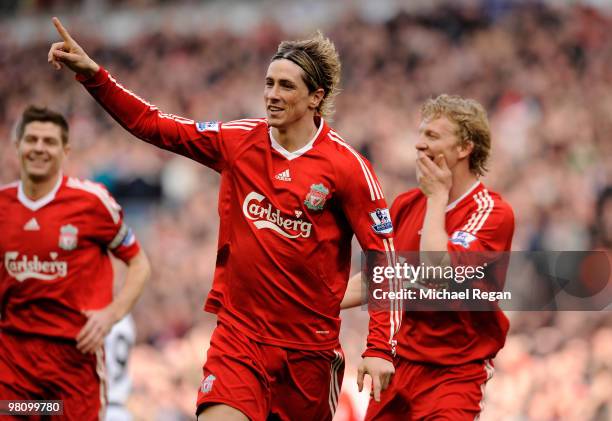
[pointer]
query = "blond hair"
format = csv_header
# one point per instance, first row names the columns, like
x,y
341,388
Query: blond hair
x,y
472,125
319,60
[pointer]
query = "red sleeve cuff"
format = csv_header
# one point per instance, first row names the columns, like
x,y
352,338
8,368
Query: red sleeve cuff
x,y
378,354
96,80
127,253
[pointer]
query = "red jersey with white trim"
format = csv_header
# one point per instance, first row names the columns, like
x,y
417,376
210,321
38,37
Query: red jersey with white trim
x,y
478,221
55,256
286,221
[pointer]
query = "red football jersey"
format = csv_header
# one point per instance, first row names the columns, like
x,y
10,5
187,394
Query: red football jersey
x,y
286,221
55,253
478,221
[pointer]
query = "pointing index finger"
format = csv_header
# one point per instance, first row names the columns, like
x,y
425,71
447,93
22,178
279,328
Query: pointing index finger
x,y
61,30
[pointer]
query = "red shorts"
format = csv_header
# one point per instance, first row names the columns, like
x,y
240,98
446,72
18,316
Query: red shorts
x,y
264,380
37,368
427,392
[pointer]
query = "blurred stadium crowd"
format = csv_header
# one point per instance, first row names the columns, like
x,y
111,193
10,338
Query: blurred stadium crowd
x,y
544,73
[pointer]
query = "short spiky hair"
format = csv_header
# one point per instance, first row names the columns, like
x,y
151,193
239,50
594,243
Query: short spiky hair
x,y
319,60
472,125
35,113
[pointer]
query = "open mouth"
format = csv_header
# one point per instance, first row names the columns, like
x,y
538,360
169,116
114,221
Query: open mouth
x,y
428,155
274,109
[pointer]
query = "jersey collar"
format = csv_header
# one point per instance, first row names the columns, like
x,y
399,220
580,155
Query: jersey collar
x,y
453,205
34,205
295,154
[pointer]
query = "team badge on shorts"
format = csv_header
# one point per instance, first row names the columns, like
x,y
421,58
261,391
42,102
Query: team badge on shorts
x,y
68,237
207,383
316,197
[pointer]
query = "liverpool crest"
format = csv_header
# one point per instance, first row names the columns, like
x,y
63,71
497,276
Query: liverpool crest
x,y
207,383
68,237
316,197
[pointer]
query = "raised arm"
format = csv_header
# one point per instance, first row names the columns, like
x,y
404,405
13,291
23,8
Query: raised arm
x,y
68,52
435,180
198,141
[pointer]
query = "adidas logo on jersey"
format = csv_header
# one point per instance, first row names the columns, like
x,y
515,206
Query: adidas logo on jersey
x,y
32,225
283,176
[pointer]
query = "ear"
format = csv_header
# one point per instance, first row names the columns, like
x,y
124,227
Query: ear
x,y
316,97
465,148
67,148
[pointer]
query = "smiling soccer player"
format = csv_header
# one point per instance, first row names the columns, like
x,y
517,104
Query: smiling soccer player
x,y
445,357
56,283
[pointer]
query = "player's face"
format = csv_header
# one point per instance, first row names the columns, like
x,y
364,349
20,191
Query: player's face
x,y
41,151
438,136
286,95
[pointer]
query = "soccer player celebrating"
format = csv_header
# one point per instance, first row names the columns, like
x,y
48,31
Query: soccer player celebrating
x,y
444,357
292,194
56,283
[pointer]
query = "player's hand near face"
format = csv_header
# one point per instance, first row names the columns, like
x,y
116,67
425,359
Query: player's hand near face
x,y
99,323
68,52
434,177
380,370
